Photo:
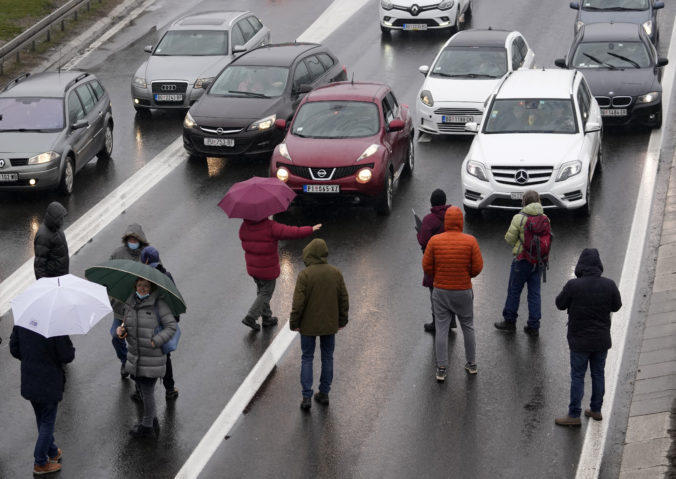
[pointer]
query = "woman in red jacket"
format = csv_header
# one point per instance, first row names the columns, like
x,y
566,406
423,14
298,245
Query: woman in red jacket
x,y
259,241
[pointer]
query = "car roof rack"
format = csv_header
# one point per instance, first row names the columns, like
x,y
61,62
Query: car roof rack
x,y
76,79
15,81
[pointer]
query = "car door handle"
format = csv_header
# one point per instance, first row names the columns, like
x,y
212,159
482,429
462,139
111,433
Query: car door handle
x,y
101,113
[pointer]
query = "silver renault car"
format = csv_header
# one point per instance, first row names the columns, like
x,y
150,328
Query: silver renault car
x,y
190,55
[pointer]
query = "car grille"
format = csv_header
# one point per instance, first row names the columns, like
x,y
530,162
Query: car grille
x,y
451,127
224,131
19,161
423,8
400,22
458,111
616,101
169,87
573,195
518,204
311,173
534,175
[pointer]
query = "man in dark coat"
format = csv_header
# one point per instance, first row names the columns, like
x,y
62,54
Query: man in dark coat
x,y
589,299
51,249
320,307
259,242
133,242
42,383
432,224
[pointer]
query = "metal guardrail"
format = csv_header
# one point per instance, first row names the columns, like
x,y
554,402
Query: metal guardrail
x,y
44,26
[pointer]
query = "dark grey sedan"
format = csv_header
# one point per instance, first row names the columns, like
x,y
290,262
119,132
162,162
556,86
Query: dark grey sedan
x,y
640,12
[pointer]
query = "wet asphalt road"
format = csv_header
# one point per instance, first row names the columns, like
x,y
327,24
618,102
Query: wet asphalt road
x,y
388,417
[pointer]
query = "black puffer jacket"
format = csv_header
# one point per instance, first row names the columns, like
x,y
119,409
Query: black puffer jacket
x,y
589,299
51,249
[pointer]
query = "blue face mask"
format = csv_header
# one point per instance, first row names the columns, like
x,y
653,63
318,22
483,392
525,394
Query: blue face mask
x,y
133,245
142,296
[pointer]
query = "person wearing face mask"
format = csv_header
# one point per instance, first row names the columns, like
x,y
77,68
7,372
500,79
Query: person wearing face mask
x,y
146,362
133,242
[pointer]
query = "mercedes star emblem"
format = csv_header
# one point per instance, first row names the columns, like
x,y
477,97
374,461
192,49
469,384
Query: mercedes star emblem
x,y
321,173
521,176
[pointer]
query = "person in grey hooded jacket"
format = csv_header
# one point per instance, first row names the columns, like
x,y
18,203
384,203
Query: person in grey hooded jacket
x,y
51,250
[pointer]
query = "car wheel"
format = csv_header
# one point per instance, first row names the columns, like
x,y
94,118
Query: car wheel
x,y
658,121
384,205
107,149
471,213
67,177
586,209
384,30
410,155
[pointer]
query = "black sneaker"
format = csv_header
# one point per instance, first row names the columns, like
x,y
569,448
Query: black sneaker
x,y
505,326
441,374
471,368
534,332
141,431
136,396
306,404
429,327
123,372
322,398
171,394
271,321
251,322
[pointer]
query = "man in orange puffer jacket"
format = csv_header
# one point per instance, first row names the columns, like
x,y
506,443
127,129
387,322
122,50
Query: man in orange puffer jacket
x,y
452,259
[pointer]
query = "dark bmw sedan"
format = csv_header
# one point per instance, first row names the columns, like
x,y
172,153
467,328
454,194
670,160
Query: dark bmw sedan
x,y
640,12
236,116
623,71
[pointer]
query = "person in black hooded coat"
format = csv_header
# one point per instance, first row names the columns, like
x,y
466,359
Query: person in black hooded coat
x,y
51,249
589,299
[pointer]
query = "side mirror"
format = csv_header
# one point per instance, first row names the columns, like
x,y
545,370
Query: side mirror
x,y
79,124
424,69
560,62
396,125
658,5
303,88
661,61
148,49
575,5
591,127
280,123
206,84
238,49
472,126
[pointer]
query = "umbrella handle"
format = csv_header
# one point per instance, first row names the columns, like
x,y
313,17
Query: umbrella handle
x,y
123,328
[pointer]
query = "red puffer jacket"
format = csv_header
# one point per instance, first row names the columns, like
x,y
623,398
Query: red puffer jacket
x,y
259,241
453,258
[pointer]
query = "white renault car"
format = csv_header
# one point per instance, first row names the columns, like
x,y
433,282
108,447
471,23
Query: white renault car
x,y
465,72
423,14
542,132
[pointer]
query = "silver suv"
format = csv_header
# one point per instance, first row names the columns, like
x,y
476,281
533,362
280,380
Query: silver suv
x,y
51,125
190,55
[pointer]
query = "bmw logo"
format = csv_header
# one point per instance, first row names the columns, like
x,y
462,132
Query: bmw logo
x,y
521,177
321,173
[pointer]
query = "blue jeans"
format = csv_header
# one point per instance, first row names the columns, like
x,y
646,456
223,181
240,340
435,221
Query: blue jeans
x,y
578,370
520,274
120,345
327,344
45,416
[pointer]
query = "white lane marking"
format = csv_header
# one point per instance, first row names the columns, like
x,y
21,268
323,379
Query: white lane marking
x,y
589,465
328,22
97,218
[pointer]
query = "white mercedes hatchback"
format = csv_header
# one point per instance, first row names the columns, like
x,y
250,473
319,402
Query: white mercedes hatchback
x,y
542,132
423,14
467,69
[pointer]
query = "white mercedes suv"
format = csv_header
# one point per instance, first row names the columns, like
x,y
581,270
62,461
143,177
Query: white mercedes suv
x,y
423,14
542,132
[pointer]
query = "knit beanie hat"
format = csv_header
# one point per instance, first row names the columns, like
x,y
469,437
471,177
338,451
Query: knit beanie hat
x,y
438,198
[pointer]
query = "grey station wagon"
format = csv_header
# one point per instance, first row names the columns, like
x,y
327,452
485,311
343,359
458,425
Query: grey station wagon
x,y
51,125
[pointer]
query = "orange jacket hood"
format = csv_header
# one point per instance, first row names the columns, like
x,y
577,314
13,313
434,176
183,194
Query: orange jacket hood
x,y
453,220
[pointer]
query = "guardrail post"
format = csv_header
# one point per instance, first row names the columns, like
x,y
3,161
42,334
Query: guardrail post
x,y
63,25
33,46
49,35
89,6
75,15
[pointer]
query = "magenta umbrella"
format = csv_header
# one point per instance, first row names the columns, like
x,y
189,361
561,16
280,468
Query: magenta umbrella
x,y
257,198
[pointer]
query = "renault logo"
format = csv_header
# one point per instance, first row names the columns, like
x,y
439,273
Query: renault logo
x,y
321,173
415,9
521,177
2,163
168,88
219,130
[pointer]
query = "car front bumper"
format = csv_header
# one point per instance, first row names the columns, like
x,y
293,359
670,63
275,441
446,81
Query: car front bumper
x,y
447,118
246,143
146,98
46,176
637,114
397,19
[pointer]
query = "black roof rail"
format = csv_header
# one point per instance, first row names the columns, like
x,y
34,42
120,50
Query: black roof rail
x,y
18,79
76,79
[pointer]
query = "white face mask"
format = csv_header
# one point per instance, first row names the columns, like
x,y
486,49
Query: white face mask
x,y
142,296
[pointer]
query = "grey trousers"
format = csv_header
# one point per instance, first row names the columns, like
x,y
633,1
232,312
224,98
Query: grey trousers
x,y
446,302
146,387
261,305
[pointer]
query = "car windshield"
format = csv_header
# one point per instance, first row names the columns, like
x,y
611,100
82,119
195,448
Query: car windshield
x,y
615,5
531,116
251,81
470,63
31,114
611,55
336,119
193,43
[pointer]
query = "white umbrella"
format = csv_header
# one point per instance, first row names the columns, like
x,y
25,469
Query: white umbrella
x,y
61,306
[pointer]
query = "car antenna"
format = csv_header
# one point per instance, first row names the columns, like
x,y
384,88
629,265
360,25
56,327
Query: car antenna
x,y
352,79
490,28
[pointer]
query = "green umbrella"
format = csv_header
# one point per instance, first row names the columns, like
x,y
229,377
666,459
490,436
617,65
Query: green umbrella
x,y
119,276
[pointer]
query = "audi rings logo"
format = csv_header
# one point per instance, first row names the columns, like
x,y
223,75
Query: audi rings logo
x,y
415,9
219,130
521,177
168,87
2,163
321,173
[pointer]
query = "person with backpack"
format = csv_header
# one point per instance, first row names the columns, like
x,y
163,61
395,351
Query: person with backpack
x,y
530,236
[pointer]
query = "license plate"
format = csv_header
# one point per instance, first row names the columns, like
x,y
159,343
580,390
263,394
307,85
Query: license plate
x,y
163,97
518,195
321,188
9,177
613,112
456,119
219,142
415,26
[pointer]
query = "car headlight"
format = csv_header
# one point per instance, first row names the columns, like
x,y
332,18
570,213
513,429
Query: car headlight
x,y
199,83
649,97
43,158
263,123
568,169
387,5
648,27
368,152
284,151
477,170
579,24
426,97
140,82
189,122
282,174
364,175
445,5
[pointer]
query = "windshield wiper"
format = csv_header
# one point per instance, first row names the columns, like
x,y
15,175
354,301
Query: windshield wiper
x,y
612,67
249,93
623,9
629,60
